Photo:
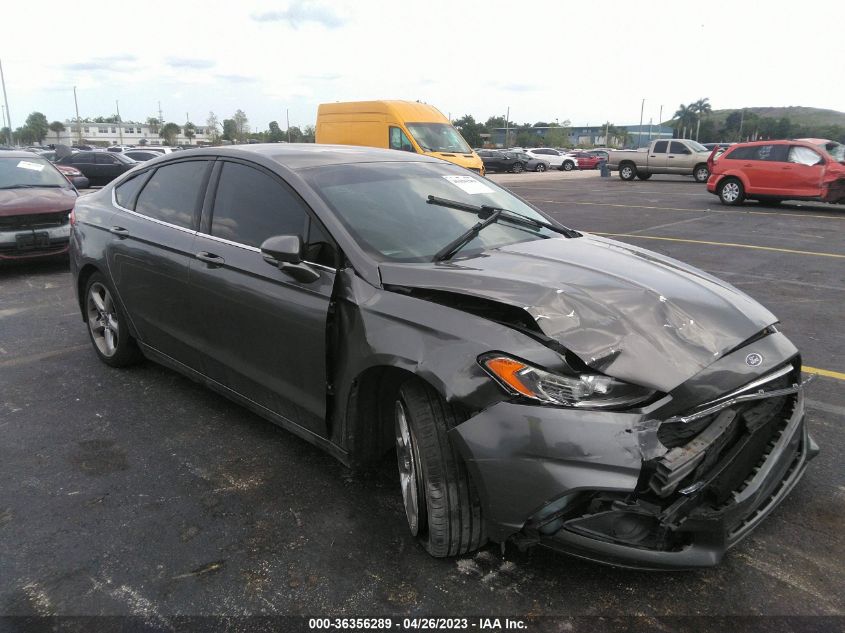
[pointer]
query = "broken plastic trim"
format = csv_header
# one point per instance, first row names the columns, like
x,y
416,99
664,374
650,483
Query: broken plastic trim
x,y
740,396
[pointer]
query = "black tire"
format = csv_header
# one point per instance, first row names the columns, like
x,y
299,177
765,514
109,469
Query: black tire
x,y
643,176
731,192
567,165
701,173
627,171
540,167
122,351
518,168
450,521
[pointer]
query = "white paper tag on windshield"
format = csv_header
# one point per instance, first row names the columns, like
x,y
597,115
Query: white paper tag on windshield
x,y
469,184
25,164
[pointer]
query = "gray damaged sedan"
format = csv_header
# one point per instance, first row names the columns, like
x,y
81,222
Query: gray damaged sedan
x,y
538,384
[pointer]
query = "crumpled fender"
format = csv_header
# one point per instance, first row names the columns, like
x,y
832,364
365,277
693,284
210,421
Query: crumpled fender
x,y
833,186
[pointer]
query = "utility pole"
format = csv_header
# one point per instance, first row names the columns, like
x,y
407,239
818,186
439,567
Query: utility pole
x,y
660,123
160,114
287,122
6,101
119,125
507,121
78,122
640,132
649,131
607,134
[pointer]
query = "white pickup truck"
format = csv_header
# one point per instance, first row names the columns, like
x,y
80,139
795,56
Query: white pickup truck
x,y
677,156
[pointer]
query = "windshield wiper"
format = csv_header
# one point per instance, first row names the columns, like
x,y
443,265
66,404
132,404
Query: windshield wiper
x,y
32,186
488,216
512,216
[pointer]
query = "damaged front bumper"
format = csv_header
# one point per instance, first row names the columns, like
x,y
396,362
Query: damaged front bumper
x,y
34,236
603,486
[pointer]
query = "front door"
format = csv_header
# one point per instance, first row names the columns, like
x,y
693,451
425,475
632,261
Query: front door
x,y
264,332
802,172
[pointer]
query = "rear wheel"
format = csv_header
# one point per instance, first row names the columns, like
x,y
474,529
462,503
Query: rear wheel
x,y
701,173
643,176
517,168
441,503
107,325
731,192
568,165
627,171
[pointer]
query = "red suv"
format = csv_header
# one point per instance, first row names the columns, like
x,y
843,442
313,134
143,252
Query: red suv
x,y
772,171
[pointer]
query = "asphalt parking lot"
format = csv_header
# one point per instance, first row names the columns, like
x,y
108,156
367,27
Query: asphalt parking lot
x,y
138,492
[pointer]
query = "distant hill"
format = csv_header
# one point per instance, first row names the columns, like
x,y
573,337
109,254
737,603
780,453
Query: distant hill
x,y
797,115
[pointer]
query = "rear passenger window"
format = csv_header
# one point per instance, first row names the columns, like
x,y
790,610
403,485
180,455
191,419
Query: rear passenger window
x,y
741,153
126,191
173,193
660,147
251,206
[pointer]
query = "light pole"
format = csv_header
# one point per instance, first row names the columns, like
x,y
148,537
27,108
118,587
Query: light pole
x,y
78,122
640,131
6,100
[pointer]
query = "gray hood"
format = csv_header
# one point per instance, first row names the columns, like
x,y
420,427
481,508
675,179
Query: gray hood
x,y
625,311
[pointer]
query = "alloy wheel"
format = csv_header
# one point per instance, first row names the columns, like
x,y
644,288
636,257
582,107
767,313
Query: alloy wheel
x,y
409,474
102,319
730,192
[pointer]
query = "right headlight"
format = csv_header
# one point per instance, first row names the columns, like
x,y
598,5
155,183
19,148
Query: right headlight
x,y
586,391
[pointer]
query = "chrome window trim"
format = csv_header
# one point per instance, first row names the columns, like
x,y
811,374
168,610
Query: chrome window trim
x,y
254,249
146,217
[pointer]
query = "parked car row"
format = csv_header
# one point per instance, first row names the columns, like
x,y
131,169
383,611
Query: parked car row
x,y
518,159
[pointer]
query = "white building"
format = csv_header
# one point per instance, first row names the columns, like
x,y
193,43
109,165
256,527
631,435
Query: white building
x,y
125,132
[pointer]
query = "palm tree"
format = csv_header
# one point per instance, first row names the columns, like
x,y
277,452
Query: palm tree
x,y
684,117
58,127
700,107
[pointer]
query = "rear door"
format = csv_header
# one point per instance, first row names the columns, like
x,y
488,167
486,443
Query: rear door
x,y
263,332
149,256
657,157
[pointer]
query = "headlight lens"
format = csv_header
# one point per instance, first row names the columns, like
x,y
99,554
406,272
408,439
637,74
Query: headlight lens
x,y
586,391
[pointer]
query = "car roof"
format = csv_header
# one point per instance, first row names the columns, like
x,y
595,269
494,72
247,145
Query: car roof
x,y
20,154
303,155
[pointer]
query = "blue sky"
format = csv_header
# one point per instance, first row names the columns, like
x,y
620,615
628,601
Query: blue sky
x,y
588,62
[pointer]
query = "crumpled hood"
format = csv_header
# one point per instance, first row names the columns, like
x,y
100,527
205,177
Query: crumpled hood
x,y
46,200
625,311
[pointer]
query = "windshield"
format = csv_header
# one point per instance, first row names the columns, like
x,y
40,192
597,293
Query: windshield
x,y
19,173
836,150
698,147
384,207
438,137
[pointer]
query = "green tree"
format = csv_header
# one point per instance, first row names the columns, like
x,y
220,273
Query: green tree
x,y
154,124
701,108
309,134
4,135
212,123
684,119
241,125
275,135
294,134
190,131
230,131
25,135
58,127
38,126
470,130
169,132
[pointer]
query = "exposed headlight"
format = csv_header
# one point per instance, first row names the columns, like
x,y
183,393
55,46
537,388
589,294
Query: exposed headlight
x,y
586,391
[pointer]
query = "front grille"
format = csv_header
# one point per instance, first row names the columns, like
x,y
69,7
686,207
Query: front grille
x,y
33,221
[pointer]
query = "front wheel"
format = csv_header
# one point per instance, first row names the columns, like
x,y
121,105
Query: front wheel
x,y
107,325
441,503
731,192
627,172
701,173
540,167
568,165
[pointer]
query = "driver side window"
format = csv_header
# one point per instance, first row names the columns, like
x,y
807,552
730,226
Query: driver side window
x,y
399,140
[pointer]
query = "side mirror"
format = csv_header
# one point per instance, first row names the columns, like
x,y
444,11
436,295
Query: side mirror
x,y
285,252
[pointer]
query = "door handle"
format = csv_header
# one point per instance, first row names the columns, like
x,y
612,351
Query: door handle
x,y
119,231
670,157
210,258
